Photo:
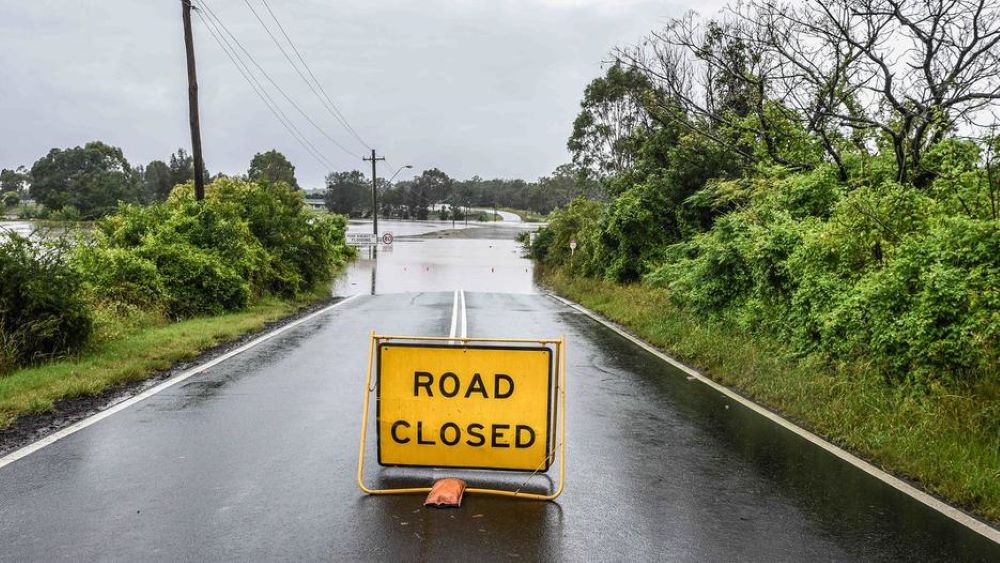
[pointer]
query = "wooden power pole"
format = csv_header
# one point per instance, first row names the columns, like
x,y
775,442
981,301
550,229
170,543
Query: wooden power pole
x,y
373,159
199,163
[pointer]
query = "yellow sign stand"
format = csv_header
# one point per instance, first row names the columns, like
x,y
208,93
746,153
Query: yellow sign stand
x,y
467,403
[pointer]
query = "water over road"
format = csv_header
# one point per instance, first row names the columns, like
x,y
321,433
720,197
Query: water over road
x,y
254,458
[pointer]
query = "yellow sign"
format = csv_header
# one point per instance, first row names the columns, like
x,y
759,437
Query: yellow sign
x,y
483,407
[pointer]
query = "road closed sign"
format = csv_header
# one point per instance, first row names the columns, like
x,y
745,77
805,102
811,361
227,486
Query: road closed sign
x,y
483,407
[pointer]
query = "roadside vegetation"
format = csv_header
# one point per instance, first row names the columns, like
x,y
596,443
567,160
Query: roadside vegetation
x,y
153,284
784,214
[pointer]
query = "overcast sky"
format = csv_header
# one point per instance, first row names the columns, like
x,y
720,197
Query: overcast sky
x,y
487,87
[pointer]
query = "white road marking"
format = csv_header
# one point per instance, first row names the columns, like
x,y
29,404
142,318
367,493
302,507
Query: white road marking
x,y
465,322
454,317
94,419
955,514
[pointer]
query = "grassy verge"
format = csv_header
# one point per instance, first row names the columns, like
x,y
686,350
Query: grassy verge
x,y
131,348
946,438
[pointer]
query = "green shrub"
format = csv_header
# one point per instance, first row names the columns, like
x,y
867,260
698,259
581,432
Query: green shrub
x,y
578,221
10,199
118,274
883,273
42,313
197,281
933,311
242,242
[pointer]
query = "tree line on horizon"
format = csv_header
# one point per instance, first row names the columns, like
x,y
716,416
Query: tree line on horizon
x,y
89,181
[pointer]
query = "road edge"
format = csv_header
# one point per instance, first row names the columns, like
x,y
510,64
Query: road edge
x,y
969,521
54,437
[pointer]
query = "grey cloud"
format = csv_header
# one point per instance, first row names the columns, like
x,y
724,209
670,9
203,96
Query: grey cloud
x,y
485,87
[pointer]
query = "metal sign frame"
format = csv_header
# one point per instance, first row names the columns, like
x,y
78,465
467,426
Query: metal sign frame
x,y
557,432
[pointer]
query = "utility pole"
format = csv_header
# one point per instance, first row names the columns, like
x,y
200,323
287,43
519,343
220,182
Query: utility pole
x,y
199,163
373,159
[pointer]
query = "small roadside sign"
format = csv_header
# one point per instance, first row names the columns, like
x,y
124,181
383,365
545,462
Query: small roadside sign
x,y
387,238
361,239
572,246
482,407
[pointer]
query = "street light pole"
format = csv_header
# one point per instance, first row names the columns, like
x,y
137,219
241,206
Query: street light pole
x,y
398,170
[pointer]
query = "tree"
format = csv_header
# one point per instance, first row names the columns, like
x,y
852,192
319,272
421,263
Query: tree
x,y
14,180
566,183
271,167
157,181
10,199
92,178
857,74
348,193
182,168
431,186
613,118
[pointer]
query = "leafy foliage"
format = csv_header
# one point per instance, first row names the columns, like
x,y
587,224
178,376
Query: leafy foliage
x,y
271,167
92,178
244,241
42,312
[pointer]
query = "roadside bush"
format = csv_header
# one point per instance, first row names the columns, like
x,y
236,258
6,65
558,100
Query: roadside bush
x,y
197,281
42,312
578,221
933,311
883,273
242,242
301,246
119,275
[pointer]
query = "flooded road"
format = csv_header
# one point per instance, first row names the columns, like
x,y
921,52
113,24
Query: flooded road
x,y
254,458
425,255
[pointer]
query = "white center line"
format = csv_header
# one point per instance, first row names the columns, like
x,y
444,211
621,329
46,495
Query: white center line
x,y
465,322
454,316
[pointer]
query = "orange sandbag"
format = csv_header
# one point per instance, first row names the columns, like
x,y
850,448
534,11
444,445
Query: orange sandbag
x,y
446,492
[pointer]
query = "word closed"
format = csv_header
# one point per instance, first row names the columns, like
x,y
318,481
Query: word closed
x,y
464,406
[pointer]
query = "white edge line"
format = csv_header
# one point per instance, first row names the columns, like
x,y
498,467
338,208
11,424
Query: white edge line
x,y
944,508
94,419
454,316
465,320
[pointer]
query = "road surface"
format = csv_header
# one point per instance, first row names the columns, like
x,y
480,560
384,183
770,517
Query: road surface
x,y
254,458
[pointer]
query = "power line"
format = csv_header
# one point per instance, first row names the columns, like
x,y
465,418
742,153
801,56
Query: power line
x,y
274,83
330,105
326,102
262,93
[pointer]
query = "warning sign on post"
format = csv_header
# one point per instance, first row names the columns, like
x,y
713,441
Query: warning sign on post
x,y
483,407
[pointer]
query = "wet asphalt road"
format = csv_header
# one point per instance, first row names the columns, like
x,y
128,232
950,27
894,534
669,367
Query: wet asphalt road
x,y
254,459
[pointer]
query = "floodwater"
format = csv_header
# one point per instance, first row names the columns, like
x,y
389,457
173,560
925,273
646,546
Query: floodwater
x,y
39,231
431,255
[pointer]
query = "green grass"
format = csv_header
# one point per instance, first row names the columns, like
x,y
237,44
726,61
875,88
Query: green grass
x,y
947,438
131,347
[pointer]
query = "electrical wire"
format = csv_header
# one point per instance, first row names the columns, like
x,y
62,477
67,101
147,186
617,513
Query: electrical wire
x,y
273,83
321,95
261,92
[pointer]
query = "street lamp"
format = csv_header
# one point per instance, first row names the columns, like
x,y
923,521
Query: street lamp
x,y
400,169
